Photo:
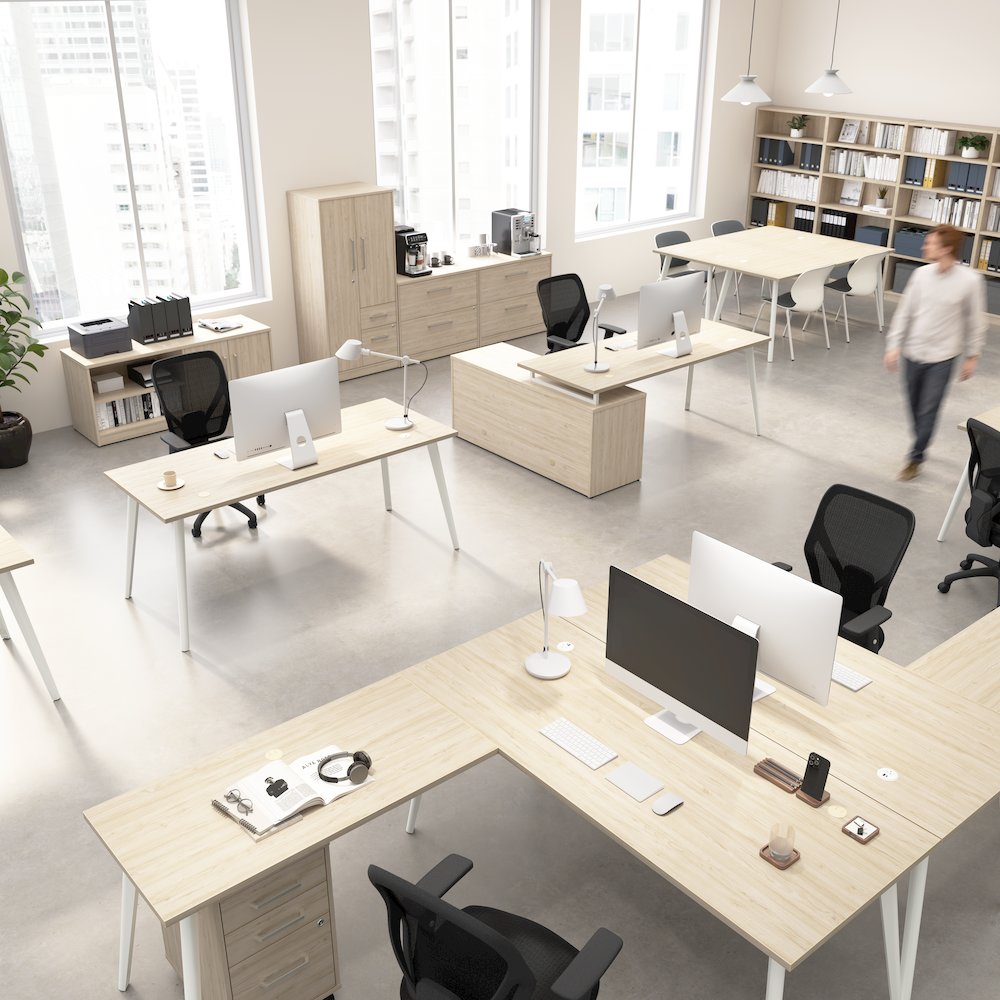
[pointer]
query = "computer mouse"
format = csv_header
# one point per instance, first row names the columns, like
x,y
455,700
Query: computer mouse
x,y
666,803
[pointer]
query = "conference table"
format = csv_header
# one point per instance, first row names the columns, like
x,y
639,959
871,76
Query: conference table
x,y
211,482
476,701
773,253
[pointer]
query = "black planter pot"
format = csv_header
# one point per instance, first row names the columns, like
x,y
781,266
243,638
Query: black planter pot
x,y
15,440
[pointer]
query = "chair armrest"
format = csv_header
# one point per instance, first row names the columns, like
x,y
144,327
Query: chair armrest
x,y
582,974
858,627
445,874
787,567
551,338
174,441
610,329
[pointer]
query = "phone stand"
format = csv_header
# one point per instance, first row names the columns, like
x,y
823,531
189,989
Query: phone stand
x,y
809,800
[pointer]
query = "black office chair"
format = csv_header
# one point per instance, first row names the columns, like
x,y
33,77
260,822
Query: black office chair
x,y
194,397
478,953
982,519
854,547
566,312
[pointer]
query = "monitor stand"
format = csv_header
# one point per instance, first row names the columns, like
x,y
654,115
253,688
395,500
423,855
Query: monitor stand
x,y
667,724
681,343
761,689
300,442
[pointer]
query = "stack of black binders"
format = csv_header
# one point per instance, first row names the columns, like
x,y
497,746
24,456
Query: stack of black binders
x,y
161,318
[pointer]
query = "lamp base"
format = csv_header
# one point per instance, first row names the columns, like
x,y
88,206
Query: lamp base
x,y
596,366
547,666
399,423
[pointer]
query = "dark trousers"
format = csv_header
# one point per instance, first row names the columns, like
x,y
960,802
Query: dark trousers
x,y
926,385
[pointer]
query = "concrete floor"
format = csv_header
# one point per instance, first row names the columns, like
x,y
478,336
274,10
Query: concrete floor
x,y
332,593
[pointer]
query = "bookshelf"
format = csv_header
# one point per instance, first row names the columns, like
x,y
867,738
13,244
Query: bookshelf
x,y
927,179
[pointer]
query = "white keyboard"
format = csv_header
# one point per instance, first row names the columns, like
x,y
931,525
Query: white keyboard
x,y
581,745
621,342
849,678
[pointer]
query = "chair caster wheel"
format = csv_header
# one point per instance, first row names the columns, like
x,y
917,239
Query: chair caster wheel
x,y
196,533
260,501
944,587
253,524
966,564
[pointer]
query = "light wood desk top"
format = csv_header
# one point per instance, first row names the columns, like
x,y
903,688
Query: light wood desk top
x,y
772,251
709,847
181,853
943,746
211,482
12,555
631,365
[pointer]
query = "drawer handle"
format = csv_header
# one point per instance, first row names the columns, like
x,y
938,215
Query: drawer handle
x,y
378,340
281,930
434,326
439,291
271,981
377,315
271,900
523,305
515,274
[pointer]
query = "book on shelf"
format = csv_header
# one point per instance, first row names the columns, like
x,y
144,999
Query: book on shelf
x,y
787,185
776,213
849,130
877,209
913,170
128,410
936,141
804,218
934,173
850,192
922,204
840,224
276,792
888,136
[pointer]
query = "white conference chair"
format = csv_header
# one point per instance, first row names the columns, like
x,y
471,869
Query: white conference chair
x,y
805,296
862,279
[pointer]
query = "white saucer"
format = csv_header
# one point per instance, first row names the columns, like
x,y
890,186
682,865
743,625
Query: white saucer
x,y
160,486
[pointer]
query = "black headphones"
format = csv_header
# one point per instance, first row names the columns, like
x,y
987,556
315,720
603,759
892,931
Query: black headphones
x,y
357,770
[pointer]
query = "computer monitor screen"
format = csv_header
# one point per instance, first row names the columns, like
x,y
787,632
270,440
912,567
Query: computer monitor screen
x,y
797,621
659,301
286,408
699,669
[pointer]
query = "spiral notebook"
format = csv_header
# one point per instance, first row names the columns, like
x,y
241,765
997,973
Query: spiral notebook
x,y
276,792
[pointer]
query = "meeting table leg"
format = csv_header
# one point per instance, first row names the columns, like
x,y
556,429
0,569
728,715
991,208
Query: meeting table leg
x,y
774,320
386,489
4,633
180,563
727,280
752,379
126,937
963,485
435,456
710,279
775,981
131,523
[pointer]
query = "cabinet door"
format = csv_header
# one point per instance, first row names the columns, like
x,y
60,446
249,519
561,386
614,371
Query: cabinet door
x,y
249,355
376,248
340,266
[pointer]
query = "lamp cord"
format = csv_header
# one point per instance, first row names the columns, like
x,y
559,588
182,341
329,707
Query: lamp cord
x,y
753,17
836,21
541,594
406,402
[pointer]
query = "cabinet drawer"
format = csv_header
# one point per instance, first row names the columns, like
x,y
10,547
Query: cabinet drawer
x,y
376,316
432,336
435,294
510,318
384,339
265,893
299,967
298,913
512,280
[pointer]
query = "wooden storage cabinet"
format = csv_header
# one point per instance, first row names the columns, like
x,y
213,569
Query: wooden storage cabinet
x,y
273,939
438,317
245,351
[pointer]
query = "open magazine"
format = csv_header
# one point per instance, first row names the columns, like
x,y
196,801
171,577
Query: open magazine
x,y
278,791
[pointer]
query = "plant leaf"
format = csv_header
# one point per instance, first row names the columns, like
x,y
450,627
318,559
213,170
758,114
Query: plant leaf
x,y
29,364
4,277
24,378
17,276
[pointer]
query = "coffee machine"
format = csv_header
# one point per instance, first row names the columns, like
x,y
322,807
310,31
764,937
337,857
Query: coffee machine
x,y
412,258
514,232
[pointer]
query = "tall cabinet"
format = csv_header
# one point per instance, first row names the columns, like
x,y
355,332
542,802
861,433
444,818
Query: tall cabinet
x,y
344,272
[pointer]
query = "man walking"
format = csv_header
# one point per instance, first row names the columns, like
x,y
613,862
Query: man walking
x,y
940,318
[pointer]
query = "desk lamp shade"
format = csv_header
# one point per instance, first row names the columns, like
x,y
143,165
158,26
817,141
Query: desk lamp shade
x,y
562,597
350,350
747,91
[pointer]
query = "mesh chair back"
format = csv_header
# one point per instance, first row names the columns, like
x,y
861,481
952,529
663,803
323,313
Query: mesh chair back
x,y
808,288
855,545
441,947
863,275
565,310
983,515
726,226
194,395
670,239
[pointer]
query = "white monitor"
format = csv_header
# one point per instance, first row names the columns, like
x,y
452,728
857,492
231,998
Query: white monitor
x,y
797,620
659,301
286,408
700,670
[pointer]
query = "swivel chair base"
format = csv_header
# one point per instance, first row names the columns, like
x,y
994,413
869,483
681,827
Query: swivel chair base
x,y
990,568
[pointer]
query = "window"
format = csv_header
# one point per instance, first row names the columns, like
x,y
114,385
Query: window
x,y
474,104
75,163
638,122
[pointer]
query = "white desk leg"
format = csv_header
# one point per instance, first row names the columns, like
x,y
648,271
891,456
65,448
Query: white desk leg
x,y
963,485
126,936
890,937
386,489
432,450
180,569
411,815
752,379
775,981
911,928
727,279
131,522
774,320
687,395
4,634
190,964
710,278
10,591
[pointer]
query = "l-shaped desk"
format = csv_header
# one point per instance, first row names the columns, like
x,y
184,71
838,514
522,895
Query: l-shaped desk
x,y
196,869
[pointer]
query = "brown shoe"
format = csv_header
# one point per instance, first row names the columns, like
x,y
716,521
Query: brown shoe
x,y
909,471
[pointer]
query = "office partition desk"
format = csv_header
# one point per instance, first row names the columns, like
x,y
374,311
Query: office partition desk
x,y
211,482
774,253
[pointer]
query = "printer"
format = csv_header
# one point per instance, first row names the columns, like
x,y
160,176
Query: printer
x,y
96,338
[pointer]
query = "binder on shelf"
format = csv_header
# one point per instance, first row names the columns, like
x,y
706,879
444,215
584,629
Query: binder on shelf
x,y
913,170
140,323
976,179
172,315
764,150
994,260
758,212
934,173
183,313
958,176
159,311
966,253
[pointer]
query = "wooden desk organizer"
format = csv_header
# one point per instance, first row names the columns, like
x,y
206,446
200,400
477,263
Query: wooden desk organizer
x,y
777,774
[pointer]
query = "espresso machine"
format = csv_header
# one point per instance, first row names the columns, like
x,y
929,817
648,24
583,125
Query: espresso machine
x,y
514,232
412,258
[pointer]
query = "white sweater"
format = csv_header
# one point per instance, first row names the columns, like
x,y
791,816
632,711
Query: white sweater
x,y
942,315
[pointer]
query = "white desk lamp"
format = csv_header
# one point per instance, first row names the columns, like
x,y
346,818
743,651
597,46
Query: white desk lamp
x,y
606,292
561,597
351,350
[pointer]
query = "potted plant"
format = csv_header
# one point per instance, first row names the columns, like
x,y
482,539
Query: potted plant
x,y
880,196
797,124
17,347
973,145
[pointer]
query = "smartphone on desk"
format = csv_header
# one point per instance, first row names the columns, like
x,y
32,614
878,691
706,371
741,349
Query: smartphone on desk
x,y
814,780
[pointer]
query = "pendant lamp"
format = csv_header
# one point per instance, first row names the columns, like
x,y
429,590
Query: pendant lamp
x,y
747,91
829,83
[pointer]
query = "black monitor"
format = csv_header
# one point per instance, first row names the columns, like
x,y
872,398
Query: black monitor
x,y
699,669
